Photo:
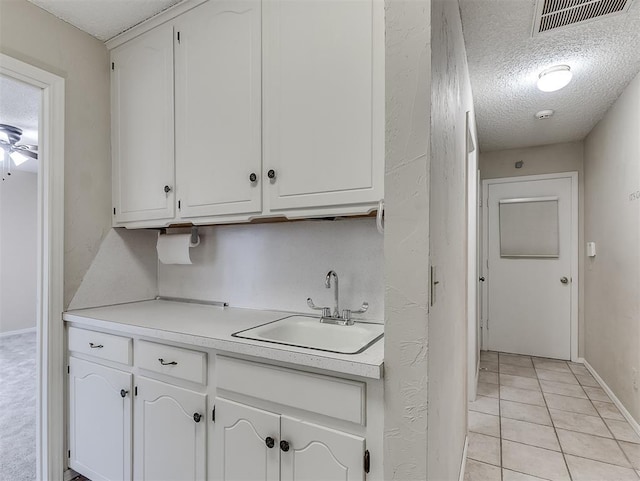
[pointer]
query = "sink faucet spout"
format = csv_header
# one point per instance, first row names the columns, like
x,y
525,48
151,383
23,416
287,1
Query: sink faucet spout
x,y
327,283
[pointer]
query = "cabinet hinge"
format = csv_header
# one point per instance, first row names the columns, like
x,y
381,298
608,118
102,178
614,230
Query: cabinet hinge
x,y
114,211
179,203
367,461
178,37
68,370
113,65
135,391
213,415
69,454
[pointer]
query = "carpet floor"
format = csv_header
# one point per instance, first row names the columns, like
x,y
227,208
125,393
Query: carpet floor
x,y
18,407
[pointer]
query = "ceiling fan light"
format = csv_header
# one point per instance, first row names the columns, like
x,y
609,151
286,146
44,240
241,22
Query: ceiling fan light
x,y
18,158
554,78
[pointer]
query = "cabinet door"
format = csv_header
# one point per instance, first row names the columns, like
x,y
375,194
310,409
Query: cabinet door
x,y
317,453
169,444
324,102
142,127
241,452
99,421
218,109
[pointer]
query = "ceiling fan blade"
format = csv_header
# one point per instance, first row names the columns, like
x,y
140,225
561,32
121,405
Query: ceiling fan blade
x,y
24,150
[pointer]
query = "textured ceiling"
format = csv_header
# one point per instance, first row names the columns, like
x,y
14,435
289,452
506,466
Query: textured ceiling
x,y
20,107
505,60
104,19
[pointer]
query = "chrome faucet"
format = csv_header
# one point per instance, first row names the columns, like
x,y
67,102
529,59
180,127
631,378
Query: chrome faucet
x,y
327,284
335,317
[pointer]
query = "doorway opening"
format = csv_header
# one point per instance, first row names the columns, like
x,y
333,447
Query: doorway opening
x,y
49,260
19,120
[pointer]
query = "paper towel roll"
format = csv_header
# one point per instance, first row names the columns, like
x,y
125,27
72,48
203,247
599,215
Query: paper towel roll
x,y
174,249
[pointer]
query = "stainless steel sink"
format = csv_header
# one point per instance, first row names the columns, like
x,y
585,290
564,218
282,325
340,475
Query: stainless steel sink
x,y
308,332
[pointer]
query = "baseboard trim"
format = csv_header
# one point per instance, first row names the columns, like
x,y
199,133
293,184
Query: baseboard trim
x,y
627,415
69,474
463,465
17,332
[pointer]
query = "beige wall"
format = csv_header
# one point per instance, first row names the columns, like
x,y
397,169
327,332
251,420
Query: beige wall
x,y
406,238
18,249
612,220
451,98
34,36
546,159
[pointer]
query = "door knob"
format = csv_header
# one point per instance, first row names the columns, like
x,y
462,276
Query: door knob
x,y
284,445
270,442
123,393
253,177
197,417
564,280
271,174
167,189
482,279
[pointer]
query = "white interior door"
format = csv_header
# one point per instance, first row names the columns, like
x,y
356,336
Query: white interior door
x,y
531,245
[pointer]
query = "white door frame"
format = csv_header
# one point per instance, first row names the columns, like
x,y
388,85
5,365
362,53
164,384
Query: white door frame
x,y
471,161
574,247
50,355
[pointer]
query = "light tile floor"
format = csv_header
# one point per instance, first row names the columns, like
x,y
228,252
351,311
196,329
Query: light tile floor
x,y
541,419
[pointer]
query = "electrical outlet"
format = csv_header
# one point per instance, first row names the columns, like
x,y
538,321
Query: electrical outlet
x,y
634,376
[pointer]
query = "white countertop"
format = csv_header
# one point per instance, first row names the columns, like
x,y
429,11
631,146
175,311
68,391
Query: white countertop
x,y
211,327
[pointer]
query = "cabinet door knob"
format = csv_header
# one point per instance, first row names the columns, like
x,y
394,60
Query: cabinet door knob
x,y
165,363
564,280
167,189
482,279
197,417
253,177
271,174
270,442
95,346
123,393
284,445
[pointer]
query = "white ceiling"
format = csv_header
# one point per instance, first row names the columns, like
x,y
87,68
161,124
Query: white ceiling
x,y
104,19
20,107
505,60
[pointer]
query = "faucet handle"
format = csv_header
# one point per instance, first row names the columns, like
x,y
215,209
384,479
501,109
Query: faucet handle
x,y
363,308
326,311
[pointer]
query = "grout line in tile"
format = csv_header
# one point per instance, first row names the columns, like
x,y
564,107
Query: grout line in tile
x,y
555,430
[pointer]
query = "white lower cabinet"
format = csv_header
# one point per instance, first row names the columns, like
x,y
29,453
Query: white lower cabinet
x,y
252,444
169,432
245,443
318,453
99,421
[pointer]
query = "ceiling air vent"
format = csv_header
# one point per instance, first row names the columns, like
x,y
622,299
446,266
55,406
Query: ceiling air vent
x,y
552,14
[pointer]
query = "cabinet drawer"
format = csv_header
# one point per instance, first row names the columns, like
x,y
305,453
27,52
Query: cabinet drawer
x,y
334,397
101,345
172,361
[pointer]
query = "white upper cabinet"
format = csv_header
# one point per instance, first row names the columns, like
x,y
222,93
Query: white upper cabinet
x,y
142,127
279,111
323,87
218,109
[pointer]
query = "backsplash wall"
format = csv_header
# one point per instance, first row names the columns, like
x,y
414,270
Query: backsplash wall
x,y
277,266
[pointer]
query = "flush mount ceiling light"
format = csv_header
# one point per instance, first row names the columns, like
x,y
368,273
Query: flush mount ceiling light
x,y
554,78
